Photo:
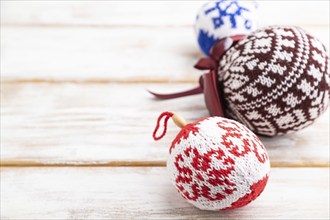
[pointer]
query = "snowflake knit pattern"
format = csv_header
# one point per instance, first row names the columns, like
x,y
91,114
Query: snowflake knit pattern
x,y
223,18
275,81
217,163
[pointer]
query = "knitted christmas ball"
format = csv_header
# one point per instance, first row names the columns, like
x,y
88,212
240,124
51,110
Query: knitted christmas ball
x,y
275,81
217,163
223,18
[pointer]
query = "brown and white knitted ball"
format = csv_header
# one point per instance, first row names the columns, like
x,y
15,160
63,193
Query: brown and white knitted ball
x,y
217,163
275,81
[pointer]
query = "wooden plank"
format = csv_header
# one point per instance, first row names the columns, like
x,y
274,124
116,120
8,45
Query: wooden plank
x,y
104,54
128,54
146,193
147,13
111,124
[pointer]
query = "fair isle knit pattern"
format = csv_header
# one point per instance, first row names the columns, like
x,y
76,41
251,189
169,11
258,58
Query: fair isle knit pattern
x,y
275,81
223,18
217,163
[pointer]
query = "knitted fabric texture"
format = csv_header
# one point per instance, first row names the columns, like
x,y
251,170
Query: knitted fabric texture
x,y
223,18
275,81
217,163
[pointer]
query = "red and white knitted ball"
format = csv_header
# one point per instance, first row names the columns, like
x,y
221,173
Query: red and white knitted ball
x,y
275,81
217,163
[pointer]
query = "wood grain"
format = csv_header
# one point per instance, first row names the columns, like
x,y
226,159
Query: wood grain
x,y
146,193
74,107
129,54
149,13
144,54
66,124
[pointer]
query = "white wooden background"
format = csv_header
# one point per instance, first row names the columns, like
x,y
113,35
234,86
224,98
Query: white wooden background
x,y
74,111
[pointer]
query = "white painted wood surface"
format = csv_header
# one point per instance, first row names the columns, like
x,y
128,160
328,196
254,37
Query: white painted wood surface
x,y
61,107
89,123
116,54
146,193
103,40
151,13
109,54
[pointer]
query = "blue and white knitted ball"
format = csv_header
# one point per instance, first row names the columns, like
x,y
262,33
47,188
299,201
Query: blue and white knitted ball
x,y
224,18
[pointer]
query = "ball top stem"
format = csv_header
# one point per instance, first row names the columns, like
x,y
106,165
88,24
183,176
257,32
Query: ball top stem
x,y
178,120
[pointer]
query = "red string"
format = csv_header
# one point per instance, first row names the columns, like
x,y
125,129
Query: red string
x,y
167,116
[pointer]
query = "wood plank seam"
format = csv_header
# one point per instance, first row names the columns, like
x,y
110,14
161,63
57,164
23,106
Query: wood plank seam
x,y
309,164
8,80
119,26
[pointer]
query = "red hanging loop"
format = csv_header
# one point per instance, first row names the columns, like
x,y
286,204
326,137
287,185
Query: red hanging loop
x,y
167,116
